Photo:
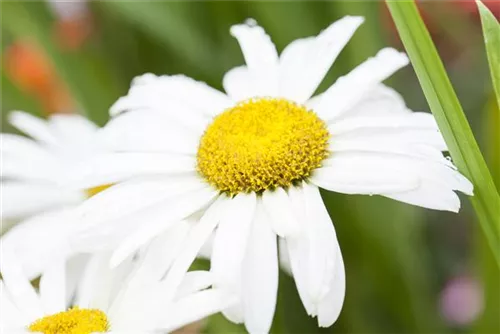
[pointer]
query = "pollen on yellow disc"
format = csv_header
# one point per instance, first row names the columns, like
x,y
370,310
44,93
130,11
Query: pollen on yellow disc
x,y
73,321
95,190
262,144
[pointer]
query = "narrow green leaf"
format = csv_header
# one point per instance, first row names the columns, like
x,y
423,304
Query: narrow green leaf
x,y
450,117
491,32
491,130
484,266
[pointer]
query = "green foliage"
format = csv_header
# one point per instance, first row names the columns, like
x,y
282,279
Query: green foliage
x,y
491,33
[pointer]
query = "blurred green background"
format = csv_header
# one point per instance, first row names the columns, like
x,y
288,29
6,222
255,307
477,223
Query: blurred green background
x,y
409,270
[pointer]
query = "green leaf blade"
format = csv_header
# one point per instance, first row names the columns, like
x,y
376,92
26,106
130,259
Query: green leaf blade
x,y
491,33
450,117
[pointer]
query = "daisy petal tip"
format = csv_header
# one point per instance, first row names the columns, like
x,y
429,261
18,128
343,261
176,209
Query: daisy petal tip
x,y
325,324
355,20
343,25
144,79
468,188
15,115
393,55
249,24
453,206
116,259
454,209
118,107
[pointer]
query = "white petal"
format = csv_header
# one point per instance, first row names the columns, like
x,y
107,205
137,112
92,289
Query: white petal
x,y
378,101
396,148
260,55
349,89
72,129
154,225
413,134
194,281
20,168
410,178
33,126
229,247
40,241
284,257
232,234
363,173
240,84
124,199
95,283
147,131
196,307
198,235
105,227
206,249
22,147
305,62
330,307
23,199
163,250
408,130
53,288
298,250
112,168
185,100
22,293
430,196
11,316
75,267
257,47
260,275
279,209
321,244
407,121
137,303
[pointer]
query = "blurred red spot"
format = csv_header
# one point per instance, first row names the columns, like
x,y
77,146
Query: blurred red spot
x,y
71,34
29,69
470,6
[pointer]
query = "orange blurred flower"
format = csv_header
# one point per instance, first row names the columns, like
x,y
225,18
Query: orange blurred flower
x,y
30,70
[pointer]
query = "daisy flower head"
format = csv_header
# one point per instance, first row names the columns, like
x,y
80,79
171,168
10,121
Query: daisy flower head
x,y
35,192
248,164
88,299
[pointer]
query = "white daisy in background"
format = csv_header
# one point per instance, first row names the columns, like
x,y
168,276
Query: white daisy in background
x,y
35,193
248,165
127,299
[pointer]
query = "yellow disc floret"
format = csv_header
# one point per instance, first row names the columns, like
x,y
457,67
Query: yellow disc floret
x,y
95,190
261,144
73,321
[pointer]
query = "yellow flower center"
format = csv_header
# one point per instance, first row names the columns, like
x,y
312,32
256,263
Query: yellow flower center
x,y
95,190
73,321
261,144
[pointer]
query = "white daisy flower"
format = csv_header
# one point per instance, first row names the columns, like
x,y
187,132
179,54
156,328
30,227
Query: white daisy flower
x,y
128,299
250,163
34,185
